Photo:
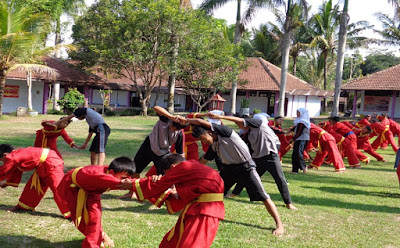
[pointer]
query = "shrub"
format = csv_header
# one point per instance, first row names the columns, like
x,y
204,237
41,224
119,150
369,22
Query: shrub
x,y
245,103
72,99
130,112
256,111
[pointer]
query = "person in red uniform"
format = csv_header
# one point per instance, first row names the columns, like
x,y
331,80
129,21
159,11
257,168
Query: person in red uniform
x,y
199,197
348,134
394,128
363,142
81,189
276,126
364,122
47,136
384,121
326,145
49,170
383,133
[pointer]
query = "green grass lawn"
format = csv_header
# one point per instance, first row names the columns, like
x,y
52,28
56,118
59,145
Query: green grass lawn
x,y
359,208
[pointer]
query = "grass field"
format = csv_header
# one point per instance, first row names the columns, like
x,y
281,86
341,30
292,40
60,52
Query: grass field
x,y
359,208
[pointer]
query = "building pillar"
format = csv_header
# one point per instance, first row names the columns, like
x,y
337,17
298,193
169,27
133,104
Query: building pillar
x,y
393,104
305,106
128,99
56,96
355,104
291,112
45,97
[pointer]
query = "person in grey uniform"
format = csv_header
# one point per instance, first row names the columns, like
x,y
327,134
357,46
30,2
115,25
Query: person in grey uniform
x,y
97,126
238,164
301,137
263,145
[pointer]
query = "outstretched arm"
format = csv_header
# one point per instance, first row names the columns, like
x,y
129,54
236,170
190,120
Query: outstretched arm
x,y
238,121
199,122
161,111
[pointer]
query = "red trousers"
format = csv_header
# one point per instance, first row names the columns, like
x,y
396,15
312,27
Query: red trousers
x,y
30,197
192,151
353,154
199,232
92,230
329,148
388,135
373,153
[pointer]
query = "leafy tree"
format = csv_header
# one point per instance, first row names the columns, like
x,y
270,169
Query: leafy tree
x,y
377,62
352,66
71,100
253,6
207,60
21,35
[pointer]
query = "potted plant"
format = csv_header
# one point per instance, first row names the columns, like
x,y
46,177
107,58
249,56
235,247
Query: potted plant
x,y
71,100
32,112
245,106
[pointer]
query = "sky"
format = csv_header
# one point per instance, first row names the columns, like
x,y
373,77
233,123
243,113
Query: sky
x,y
358,10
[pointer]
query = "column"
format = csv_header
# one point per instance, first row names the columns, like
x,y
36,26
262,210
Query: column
x,y
355,104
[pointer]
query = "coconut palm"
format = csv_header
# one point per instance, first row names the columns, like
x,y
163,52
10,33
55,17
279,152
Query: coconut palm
x,y
290,25
253,6
19,34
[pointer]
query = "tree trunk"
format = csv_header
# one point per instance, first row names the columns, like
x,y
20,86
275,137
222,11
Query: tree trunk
x,y
340,58
325,103
2,84
294,65
57,39
284,70
237,39
29,84
144,107
172,77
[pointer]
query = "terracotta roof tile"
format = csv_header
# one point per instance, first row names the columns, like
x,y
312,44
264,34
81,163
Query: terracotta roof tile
x,y
263,75
388,79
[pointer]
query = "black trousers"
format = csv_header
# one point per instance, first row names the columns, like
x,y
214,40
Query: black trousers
x,y
246,175
272,164
298,156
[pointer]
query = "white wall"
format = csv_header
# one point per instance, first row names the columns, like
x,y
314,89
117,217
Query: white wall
x,y
313,105
163,98
10,104
118,97
260,103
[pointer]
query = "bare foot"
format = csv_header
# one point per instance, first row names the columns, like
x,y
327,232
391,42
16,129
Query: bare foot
x,y
367,161
14,209
130,195
230,195
355,166
107,241
291,206
305,170
383,160
278,231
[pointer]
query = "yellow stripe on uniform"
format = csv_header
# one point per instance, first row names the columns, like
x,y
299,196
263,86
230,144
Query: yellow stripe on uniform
x,y
319,143
35,177
139,190
208,197
81,200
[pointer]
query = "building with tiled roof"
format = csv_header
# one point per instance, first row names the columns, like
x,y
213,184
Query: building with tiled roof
x,y
262,88
379,92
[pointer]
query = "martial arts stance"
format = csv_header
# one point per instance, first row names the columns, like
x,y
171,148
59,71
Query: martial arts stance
x,y
49,170
81,189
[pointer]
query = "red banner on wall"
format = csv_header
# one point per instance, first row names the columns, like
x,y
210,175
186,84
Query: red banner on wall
x,y
11,91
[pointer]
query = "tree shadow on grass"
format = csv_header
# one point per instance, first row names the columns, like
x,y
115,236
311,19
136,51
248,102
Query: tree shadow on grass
x,y
22,241
324,202
378,168
33,213
348,191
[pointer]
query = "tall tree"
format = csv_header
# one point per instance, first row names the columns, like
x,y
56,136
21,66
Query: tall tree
x,y
183,5
20,31
291,23
253,6
344,19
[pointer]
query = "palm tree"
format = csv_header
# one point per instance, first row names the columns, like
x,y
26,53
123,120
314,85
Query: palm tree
x,y
344,19
290,25
18,33
391,30
253,6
